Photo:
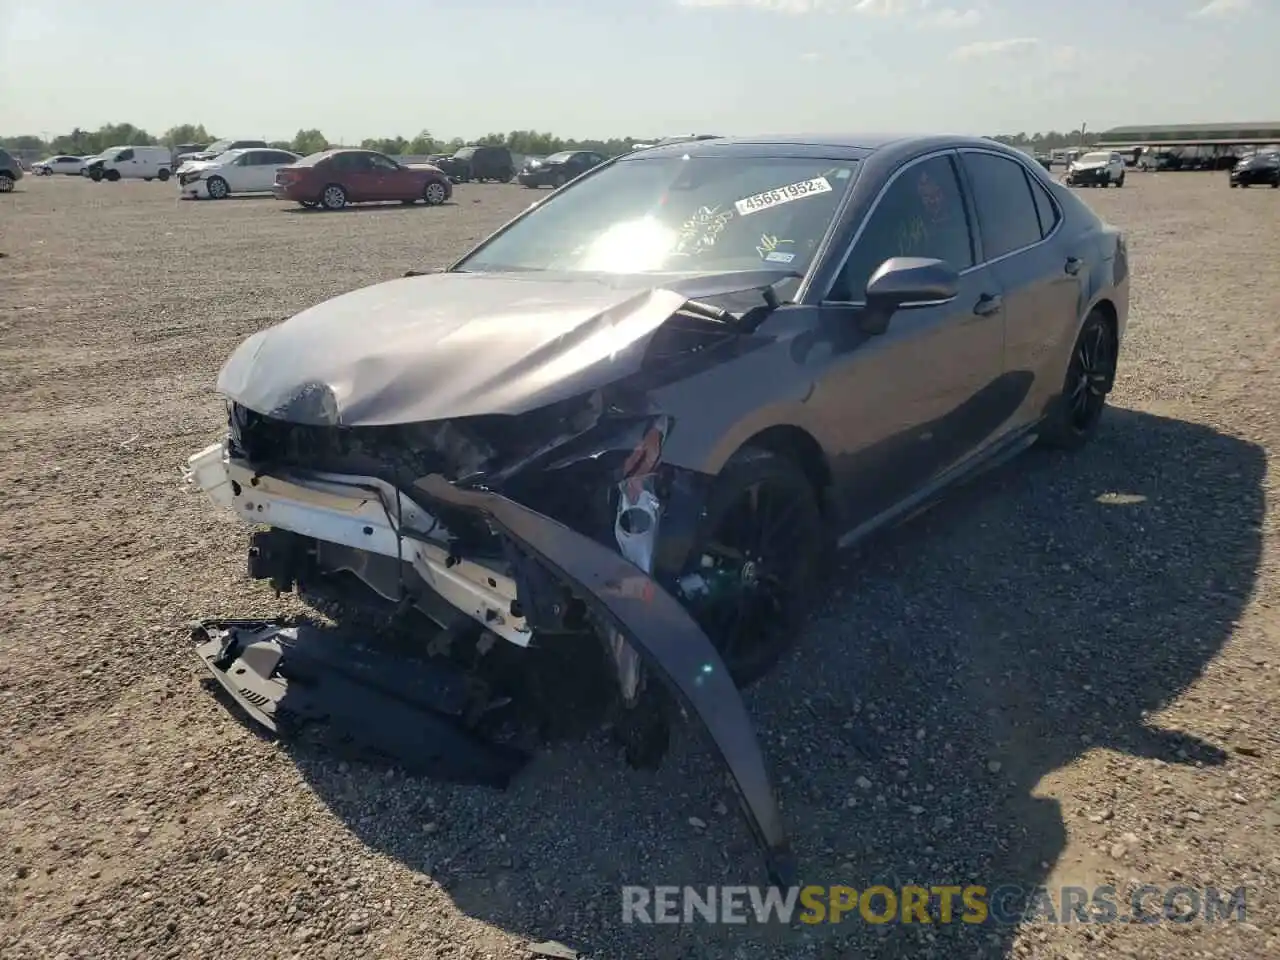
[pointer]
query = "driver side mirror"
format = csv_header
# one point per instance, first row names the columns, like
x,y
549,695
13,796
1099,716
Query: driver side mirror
x,y
905,283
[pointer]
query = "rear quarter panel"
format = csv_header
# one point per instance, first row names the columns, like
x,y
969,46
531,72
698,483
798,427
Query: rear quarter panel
x,y
1104,282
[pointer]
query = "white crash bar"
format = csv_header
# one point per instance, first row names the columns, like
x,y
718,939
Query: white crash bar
x,y
351,511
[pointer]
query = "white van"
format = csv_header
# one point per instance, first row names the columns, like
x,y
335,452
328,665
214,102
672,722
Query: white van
x,y
132,163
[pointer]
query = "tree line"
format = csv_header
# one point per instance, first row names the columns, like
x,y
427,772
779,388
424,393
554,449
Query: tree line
x,y
86,142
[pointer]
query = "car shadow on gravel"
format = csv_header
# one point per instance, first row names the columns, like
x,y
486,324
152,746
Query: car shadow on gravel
x,y
1045,611
369,207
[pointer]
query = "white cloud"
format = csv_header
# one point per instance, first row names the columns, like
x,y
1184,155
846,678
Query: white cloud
x,y
1219,9
952,18
988,49
923,11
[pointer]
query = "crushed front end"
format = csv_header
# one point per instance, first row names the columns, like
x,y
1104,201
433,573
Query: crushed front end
x,y
559,533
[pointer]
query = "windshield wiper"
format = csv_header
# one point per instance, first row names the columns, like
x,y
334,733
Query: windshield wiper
x,y
752,318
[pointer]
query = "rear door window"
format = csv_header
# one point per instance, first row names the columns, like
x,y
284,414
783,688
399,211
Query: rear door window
x,y
1046,211
1007,217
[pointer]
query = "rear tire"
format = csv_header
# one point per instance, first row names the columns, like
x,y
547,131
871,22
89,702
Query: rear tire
x,y
1090,376
333,197
758,551
6,183
1120,182
163,175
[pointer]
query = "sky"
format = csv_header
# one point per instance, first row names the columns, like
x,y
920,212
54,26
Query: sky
x,y
641,68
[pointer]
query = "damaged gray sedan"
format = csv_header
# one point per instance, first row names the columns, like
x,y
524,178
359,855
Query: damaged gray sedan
x,y
615,443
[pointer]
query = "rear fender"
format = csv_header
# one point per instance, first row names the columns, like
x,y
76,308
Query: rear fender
x,y
667,638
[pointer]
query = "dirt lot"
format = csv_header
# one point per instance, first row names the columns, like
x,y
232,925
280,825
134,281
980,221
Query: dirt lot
x,y
1069,674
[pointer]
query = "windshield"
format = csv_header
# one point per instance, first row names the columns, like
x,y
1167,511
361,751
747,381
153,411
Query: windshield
x,y
227,156
1096,158
218,146
678,215
562,155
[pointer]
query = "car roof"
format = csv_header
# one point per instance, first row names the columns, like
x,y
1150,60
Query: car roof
x,y
843,146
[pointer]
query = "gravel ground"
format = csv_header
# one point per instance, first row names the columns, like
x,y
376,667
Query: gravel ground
x,y
1068,674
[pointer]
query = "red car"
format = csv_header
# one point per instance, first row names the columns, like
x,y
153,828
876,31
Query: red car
x,y
334,178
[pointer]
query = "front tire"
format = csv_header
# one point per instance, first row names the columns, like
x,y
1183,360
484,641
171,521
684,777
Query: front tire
x,y
1120,182
95,176
1091,374
755,560
333,197
217,188
434,194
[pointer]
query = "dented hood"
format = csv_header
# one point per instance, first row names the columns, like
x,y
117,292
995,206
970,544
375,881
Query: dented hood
x,y
446,345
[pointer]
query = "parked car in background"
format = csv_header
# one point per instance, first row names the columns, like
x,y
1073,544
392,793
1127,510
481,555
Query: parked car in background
x,y
1101,168
216,148
63,163
479,163
131,163
10,171
1261,169
559,168
332,179
185,150
233,172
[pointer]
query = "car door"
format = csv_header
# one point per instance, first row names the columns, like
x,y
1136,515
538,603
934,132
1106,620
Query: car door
x,y
1042,279
913,401
125,162
274,160
264,167
247,170
391,181
358,177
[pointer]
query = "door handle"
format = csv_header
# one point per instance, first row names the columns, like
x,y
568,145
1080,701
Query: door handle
x,y
1073,265
988,304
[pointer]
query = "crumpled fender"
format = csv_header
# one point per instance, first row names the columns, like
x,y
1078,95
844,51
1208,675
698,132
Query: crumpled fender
x,y
669,640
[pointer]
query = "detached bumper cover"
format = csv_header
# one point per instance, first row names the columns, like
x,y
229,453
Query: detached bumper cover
x,y
246,660
671,643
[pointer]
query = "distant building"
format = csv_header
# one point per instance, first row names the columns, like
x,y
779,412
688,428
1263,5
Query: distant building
x,y
1192,134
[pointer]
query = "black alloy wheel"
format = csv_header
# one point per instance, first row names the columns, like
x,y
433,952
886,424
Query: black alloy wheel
x,y
750,574
1090,377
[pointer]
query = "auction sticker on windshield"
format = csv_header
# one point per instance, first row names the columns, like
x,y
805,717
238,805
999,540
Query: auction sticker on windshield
x,y
792,191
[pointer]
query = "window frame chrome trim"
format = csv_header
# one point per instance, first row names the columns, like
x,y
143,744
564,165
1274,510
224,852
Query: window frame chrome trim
x,y
875,205
971,203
